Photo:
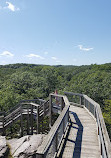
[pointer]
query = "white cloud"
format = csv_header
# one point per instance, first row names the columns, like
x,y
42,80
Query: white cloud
x,y
34,56
11,7
54,58
7,54
45,53
84,49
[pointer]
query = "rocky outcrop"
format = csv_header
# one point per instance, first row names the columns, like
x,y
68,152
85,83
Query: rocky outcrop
x,y
26,146
3,147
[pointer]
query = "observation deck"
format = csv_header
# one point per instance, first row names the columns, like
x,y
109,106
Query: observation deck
x,y
78,132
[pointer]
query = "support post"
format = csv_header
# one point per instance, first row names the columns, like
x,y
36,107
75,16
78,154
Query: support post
x,y
80,100
61,103
94,112
32,119
3,120
37,119
21,121
84,102
90,107
43,109
63,125
27,119
68,116
50,111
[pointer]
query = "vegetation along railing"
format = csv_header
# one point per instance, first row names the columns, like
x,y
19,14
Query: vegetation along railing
x,y
51,145
95,110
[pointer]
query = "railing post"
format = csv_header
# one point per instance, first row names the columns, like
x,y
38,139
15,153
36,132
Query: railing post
x,y
95,111
50,110
68,116
63,126
80,100
21,121
37,119
61,103
3,120
32,119
84,102
27,119
88,105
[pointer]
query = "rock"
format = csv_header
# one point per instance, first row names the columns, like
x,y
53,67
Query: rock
x,y
25,146
3,147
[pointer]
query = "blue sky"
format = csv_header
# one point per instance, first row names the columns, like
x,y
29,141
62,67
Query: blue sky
x,y
67,32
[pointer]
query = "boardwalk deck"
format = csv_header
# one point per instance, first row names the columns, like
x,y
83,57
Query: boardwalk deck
x,y
82,139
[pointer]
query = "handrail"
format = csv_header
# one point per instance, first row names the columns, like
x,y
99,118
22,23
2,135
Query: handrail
x,y
15,113
54,138
95,109
22,101
30,100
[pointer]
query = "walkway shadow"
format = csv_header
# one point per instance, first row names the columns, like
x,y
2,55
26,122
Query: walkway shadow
x,y
77,125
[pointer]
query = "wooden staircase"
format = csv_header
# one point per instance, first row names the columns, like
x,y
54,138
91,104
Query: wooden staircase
x,y
36,107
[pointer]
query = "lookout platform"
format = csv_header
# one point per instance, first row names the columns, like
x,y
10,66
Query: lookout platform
x,y
78,131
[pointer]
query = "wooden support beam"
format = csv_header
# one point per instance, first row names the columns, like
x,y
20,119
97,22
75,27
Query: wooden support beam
x,y
61,103
80,100
84,102
32,119
43,109
28,119
94,112
63,125
3,121
37,119
21,122
50,110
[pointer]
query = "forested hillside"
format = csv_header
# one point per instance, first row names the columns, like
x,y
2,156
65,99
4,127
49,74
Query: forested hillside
x,y
27,81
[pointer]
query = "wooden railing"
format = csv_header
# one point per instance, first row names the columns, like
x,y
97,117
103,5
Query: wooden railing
x,y
95,110
37,107
54,139
56,104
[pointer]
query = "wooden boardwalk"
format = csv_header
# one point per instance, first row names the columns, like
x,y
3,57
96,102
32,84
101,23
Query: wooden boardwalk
x,y
82,138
